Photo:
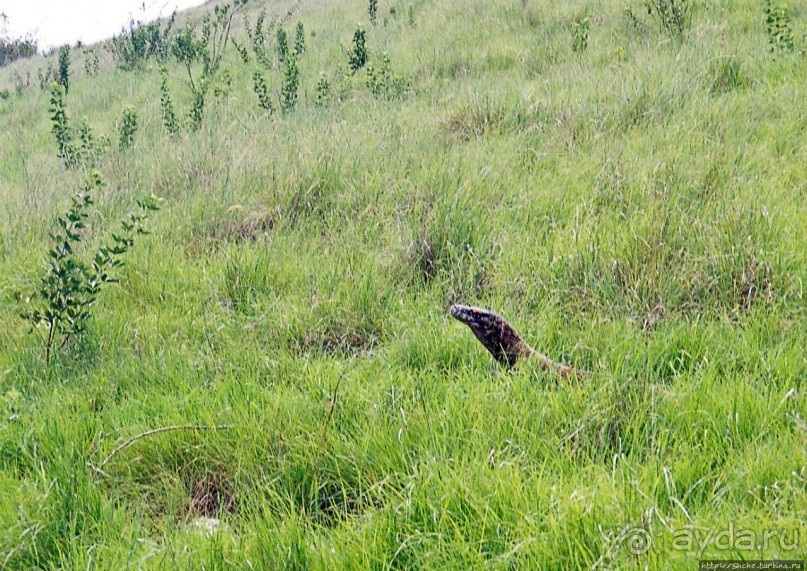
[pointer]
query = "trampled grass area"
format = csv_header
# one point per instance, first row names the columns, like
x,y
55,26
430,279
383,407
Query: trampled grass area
x,y
635,207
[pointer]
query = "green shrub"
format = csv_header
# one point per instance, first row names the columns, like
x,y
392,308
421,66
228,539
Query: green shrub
x,y
262,91
242,51
128,128
672,16
778,26
188,51
323,90
63,78
132,48
291,84
580,34
68,291
216,34
87,150
60,127
224,85
358,55
91,63
299,40
372,11
46,77
167,106
258,39
200,53
197,110
383,82
12,49
282,45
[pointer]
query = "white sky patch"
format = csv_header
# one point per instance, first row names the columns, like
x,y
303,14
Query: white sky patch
x,y
57,22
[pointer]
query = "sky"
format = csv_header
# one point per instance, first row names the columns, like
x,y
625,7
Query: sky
x,y
57,22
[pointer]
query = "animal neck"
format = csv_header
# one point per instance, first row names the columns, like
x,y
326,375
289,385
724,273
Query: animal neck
x,y
503,342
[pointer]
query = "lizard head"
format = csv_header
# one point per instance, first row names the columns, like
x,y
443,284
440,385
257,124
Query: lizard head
x,y
495,333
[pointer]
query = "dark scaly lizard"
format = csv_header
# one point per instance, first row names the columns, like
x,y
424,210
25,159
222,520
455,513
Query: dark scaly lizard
x,y
503,342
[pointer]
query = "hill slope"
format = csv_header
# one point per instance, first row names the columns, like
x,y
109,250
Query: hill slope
x,y
632,199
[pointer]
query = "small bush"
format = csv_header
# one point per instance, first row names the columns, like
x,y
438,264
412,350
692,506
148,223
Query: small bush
x,y
291,84
128,128
46,77
197,110
91,63
673,16
258,39
88,149
216,34
299,40
778,26
262,91
323,90
63,78
63,305
358,55
242,51
60,127
224,85
372,11
167,106
188,50
17,48
132,48
200,53
580,34
383,82
282,45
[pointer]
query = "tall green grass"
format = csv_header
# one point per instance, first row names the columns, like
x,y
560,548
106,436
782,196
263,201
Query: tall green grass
x,y
635,209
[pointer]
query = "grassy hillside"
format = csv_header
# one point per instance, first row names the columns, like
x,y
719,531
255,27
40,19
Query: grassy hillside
x,y
633,200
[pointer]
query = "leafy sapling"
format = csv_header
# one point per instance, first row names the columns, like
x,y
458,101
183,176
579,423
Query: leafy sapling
x,y
91,63
128,128
291,83
169,116
68,290
358,56
299,40
88,150
197,110
262,91
383,81
777,24
282,45
580,34
60,127
63,78
323,90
